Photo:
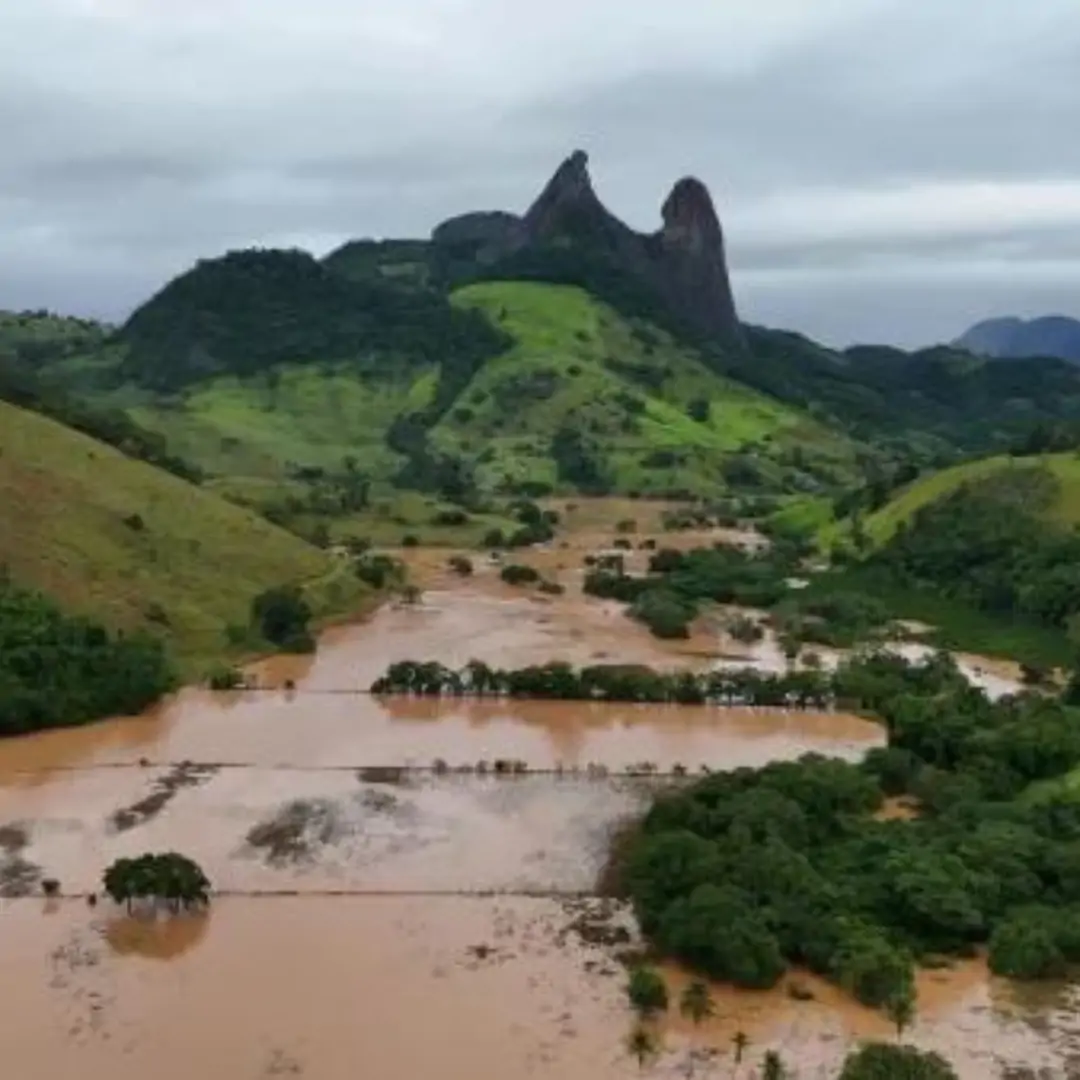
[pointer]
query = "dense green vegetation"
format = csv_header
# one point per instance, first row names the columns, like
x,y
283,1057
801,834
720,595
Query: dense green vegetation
x,y
746,872
248,311
168,878
669,597
609,682
57,670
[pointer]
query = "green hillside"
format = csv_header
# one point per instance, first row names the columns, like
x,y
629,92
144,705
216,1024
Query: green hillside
x,y
488,379
133,546
651,415
1063,508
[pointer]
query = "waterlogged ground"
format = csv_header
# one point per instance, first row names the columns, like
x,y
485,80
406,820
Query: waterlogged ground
x,y
389,907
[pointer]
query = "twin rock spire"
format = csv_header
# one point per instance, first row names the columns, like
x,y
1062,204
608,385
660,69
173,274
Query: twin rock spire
x,y
684,261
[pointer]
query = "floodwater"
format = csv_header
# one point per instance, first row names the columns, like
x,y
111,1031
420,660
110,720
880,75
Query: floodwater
x,y
380,915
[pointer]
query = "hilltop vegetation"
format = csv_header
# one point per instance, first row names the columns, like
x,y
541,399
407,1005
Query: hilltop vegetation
x,y
995,538
1060,507
135,548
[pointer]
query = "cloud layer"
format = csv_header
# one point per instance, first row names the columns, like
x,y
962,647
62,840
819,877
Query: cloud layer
x,y
883,173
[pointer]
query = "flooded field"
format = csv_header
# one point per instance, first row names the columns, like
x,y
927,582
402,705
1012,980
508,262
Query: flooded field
x,y
386,905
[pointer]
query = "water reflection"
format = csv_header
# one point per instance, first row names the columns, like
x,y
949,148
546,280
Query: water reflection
x,y
156,937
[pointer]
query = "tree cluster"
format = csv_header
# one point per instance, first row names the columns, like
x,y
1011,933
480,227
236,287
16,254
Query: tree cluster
x,y
169,878
609,682
58,670
748,872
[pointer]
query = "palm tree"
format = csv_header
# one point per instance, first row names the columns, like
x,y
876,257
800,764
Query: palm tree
x,y
696,1002
900,1009
773,1067
741,1041
642,1044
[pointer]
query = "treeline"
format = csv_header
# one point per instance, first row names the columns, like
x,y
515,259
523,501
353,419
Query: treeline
x,y
990,544
613,682
746,873
59,671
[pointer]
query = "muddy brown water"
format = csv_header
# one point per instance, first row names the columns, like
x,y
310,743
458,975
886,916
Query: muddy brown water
x,y
357,932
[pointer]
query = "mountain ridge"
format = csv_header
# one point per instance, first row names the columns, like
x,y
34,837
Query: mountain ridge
x,y
1014,338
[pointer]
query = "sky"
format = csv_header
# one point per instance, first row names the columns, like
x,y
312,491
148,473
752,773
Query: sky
x,y
885,171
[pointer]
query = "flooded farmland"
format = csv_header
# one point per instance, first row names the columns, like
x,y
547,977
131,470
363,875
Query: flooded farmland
x,y
389,907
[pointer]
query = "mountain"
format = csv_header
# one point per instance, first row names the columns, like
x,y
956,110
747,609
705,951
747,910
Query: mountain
x,y
135,547
1051,335
683,262
504,346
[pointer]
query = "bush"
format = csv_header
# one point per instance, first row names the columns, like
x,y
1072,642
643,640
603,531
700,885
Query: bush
x,y
225,678
516,574
281,615
410,541
647,991
494,538
450,518
886,1061
664,613
552,588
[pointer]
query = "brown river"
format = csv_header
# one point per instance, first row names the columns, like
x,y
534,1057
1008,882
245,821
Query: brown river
x,y
379,916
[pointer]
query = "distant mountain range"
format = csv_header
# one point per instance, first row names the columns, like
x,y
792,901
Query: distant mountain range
x,y
1013,338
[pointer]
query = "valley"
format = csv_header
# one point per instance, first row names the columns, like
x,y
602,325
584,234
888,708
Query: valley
x,y
454,911
506,620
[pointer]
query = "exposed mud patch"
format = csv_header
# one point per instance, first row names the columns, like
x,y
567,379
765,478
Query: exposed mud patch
x,y
296,833
184,775
18,876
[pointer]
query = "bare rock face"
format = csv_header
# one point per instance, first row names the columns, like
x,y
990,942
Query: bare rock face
x,y
684,262
693,262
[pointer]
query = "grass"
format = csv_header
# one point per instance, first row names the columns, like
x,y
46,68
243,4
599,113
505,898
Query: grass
x,y
307,415
629,387
136,547
882,524
957,627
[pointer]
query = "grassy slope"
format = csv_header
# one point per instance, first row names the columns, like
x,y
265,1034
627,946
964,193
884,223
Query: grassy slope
x,y
307,415
198,558
881,525
564,338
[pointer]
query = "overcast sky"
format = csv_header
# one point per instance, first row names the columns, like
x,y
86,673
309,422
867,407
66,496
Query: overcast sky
x,y
886,170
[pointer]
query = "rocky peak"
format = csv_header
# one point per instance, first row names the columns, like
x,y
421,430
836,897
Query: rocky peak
x,y
690,219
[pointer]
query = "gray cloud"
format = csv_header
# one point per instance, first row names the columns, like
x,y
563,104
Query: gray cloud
x,y
884,170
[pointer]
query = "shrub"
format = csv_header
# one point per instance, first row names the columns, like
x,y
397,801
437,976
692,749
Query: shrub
x,y
410,541
225,678
647,991
517,574
450,518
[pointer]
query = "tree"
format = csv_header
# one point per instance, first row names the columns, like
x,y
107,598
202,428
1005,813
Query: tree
x,y
647,991
900,1009
642,1044
281,615
740,1040
773,1067
696,1002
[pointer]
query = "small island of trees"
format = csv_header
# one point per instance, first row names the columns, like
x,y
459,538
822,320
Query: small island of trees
x,y
170,879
